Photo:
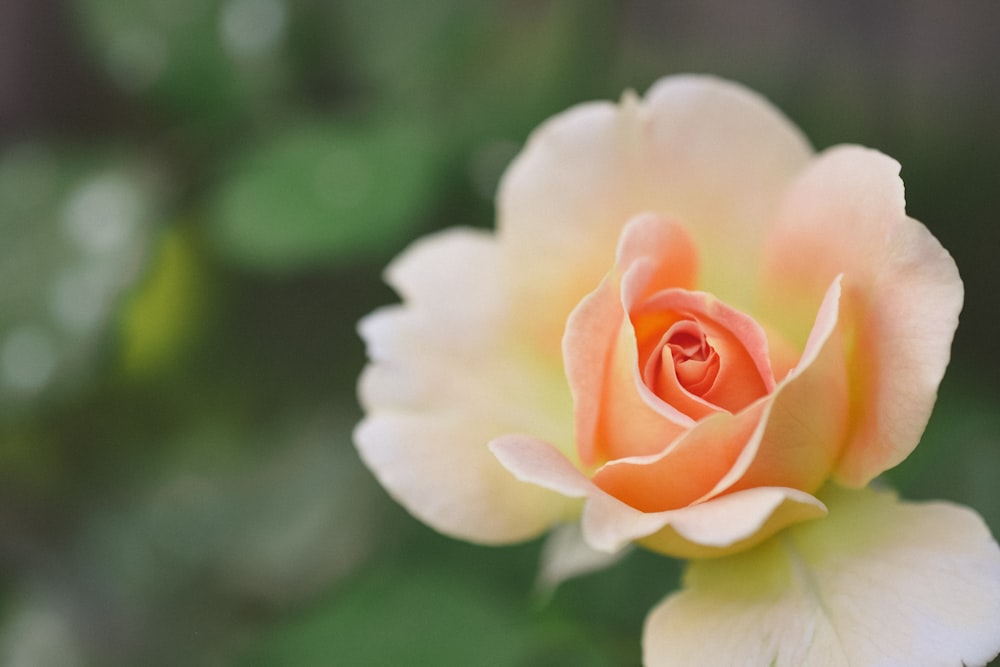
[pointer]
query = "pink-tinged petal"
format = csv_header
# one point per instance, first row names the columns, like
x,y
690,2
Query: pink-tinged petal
x,y
803,430
790,439
618,414
599,353
902,291
707,153
656,254
686,470
443,381
876,582
588,346
741,344
717,527
655,463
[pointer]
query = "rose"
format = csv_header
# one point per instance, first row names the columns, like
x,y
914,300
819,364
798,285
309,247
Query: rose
x,y
685,325
686,319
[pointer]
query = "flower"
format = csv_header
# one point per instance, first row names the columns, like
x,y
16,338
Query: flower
x,y
686,324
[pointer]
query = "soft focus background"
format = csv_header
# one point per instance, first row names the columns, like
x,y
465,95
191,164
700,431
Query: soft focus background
x,y
197,198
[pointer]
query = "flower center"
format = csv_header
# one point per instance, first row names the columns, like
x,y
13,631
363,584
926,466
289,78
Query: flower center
x,y
699,355
686,352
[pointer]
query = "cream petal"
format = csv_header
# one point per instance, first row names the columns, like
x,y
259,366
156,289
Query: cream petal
x,y
708,153
715,527
535,461
877,582
457,266
445,379
845,215
566,555
733,522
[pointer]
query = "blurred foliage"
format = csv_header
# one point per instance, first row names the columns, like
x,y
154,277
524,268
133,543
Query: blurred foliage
x,y
196,213
324,192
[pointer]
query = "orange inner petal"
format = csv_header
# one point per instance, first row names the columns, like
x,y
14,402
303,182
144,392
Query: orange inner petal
x,y
700,356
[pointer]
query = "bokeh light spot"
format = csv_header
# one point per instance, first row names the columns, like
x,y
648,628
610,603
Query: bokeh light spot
x,y
78,296
250,29
27,359
36,635
103,214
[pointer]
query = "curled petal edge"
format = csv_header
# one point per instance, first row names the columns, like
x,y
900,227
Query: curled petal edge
x,y
714,528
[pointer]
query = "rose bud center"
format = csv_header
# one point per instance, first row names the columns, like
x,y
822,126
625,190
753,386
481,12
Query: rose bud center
x,y
699,355
685,354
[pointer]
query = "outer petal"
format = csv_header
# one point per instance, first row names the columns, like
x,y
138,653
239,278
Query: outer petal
x,y
710,154
444,380
717,527
902,296
878,582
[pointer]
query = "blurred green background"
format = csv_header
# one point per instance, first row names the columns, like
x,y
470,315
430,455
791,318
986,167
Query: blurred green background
x,y
197,198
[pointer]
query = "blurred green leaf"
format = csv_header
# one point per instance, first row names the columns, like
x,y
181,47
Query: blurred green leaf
x,y
402,618
201,58
482,75
406,50
324,193
167,309
425,616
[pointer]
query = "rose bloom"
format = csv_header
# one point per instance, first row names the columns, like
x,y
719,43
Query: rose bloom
x,y
686,323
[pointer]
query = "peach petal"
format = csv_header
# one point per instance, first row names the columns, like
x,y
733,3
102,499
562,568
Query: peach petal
x,y
599,353
745,366
789,439
716,527
595,327
802,431
588,344
666,388
845,214
710,153
686,470
658,254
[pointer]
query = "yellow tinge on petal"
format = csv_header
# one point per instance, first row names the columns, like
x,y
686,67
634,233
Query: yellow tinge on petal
x,y
877,582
